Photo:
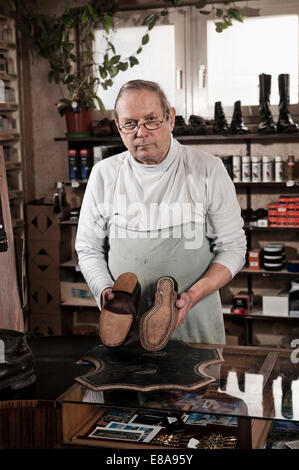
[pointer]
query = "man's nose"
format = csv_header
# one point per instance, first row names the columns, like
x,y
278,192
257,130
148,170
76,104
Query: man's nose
x,y
142,131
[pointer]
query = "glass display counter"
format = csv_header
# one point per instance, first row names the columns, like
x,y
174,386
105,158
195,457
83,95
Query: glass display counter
x,y
250,388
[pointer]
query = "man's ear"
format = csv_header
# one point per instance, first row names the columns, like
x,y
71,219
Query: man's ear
x,y
172,114
117,124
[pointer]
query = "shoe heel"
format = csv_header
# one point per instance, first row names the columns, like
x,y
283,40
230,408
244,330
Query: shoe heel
x,y
126,282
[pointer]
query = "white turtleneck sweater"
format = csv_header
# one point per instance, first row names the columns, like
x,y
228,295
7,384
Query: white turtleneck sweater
x,y
148,197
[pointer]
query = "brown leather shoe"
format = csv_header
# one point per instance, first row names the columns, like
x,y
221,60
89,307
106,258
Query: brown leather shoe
x,y
158,323
118,315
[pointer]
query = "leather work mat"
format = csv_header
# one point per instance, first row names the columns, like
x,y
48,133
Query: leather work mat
x,y
178,366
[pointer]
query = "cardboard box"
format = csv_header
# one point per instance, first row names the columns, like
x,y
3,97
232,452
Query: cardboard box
x,y
76,293
44,296
44,258
45,324
43,225
276,303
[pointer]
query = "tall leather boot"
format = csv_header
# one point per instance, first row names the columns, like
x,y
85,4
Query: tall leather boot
x,y
285,122
266,124
237,125
16,360
220,124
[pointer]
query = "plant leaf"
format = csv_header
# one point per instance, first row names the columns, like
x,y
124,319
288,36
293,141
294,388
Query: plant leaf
x,y
204,12
236,14
107,22
101,104
145,39
133,61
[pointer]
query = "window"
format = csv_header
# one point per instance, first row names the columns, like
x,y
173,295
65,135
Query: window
x,y
156,61
238,55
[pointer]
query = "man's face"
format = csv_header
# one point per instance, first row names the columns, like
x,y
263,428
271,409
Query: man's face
x,y
147,147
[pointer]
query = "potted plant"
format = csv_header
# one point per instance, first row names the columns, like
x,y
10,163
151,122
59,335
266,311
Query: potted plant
x,y
66,41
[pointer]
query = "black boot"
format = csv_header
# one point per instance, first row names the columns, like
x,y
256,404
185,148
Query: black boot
x,y
266,124
16,360
220,125
285,122
237,125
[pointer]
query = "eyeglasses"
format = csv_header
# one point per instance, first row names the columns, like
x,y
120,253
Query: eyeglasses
x,y
134,127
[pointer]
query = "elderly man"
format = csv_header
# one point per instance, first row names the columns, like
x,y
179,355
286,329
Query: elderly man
x,y
166,209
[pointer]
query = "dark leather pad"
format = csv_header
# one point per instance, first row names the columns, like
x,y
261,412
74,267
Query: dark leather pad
x,y
178,366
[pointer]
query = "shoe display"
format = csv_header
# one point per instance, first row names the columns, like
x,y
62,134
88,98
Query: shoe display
x,y
266,124
285,122
158,323
16,365
102,128
237,125
119,314
220,124
197,125
180,126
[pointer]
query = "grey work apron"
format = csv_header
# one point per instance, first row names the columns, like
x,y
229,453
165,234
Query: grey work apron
x,y
182,252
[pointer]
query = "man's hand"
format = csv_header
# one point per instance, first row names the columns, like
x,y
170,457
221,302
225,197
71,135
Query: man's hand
x,y
107,295
184,304
216,277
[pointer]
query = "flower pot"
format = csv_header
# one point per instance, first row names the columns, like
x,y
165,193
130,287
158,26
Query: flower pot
x,y
78,123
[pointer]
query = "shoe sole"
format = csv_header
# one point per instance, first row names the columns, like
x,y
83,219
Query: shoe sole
x,y
158,323
114,327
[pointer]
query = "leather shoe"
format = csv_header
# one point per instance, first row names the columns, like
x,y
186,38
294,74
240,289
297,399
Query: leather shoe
x,y
158,323
119,314
17,363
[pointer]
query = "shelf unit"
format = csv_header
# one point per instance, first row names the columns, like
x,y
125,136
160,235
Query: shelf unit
x,y
10,125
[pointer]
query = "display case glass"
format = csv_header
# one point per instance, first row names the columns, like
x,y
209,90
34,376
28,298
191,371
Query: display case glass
x,y
249,388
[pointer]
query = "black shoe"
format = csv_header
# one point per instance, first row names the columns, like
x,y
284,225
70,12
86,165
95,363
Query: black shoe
x,y
220,124
197,125
266,124
16,363
237,125
285,122
180,126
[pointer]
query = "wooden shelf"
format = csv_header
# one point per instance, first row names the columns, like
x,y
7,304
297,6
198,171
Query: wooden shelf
x,y
5,46
268,229
264,185
11,166
264,272
7,76
193,139
8,136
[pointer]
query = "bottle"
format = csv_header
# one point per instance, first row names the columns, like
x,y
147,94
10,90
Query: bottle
x,y
278,168
73,164
267,169
245,168
291,168
85,166
256,169
236,168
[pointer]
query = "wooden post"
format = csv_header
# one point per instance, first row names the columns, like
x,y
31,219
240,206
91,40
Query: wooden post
x,y
11,314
